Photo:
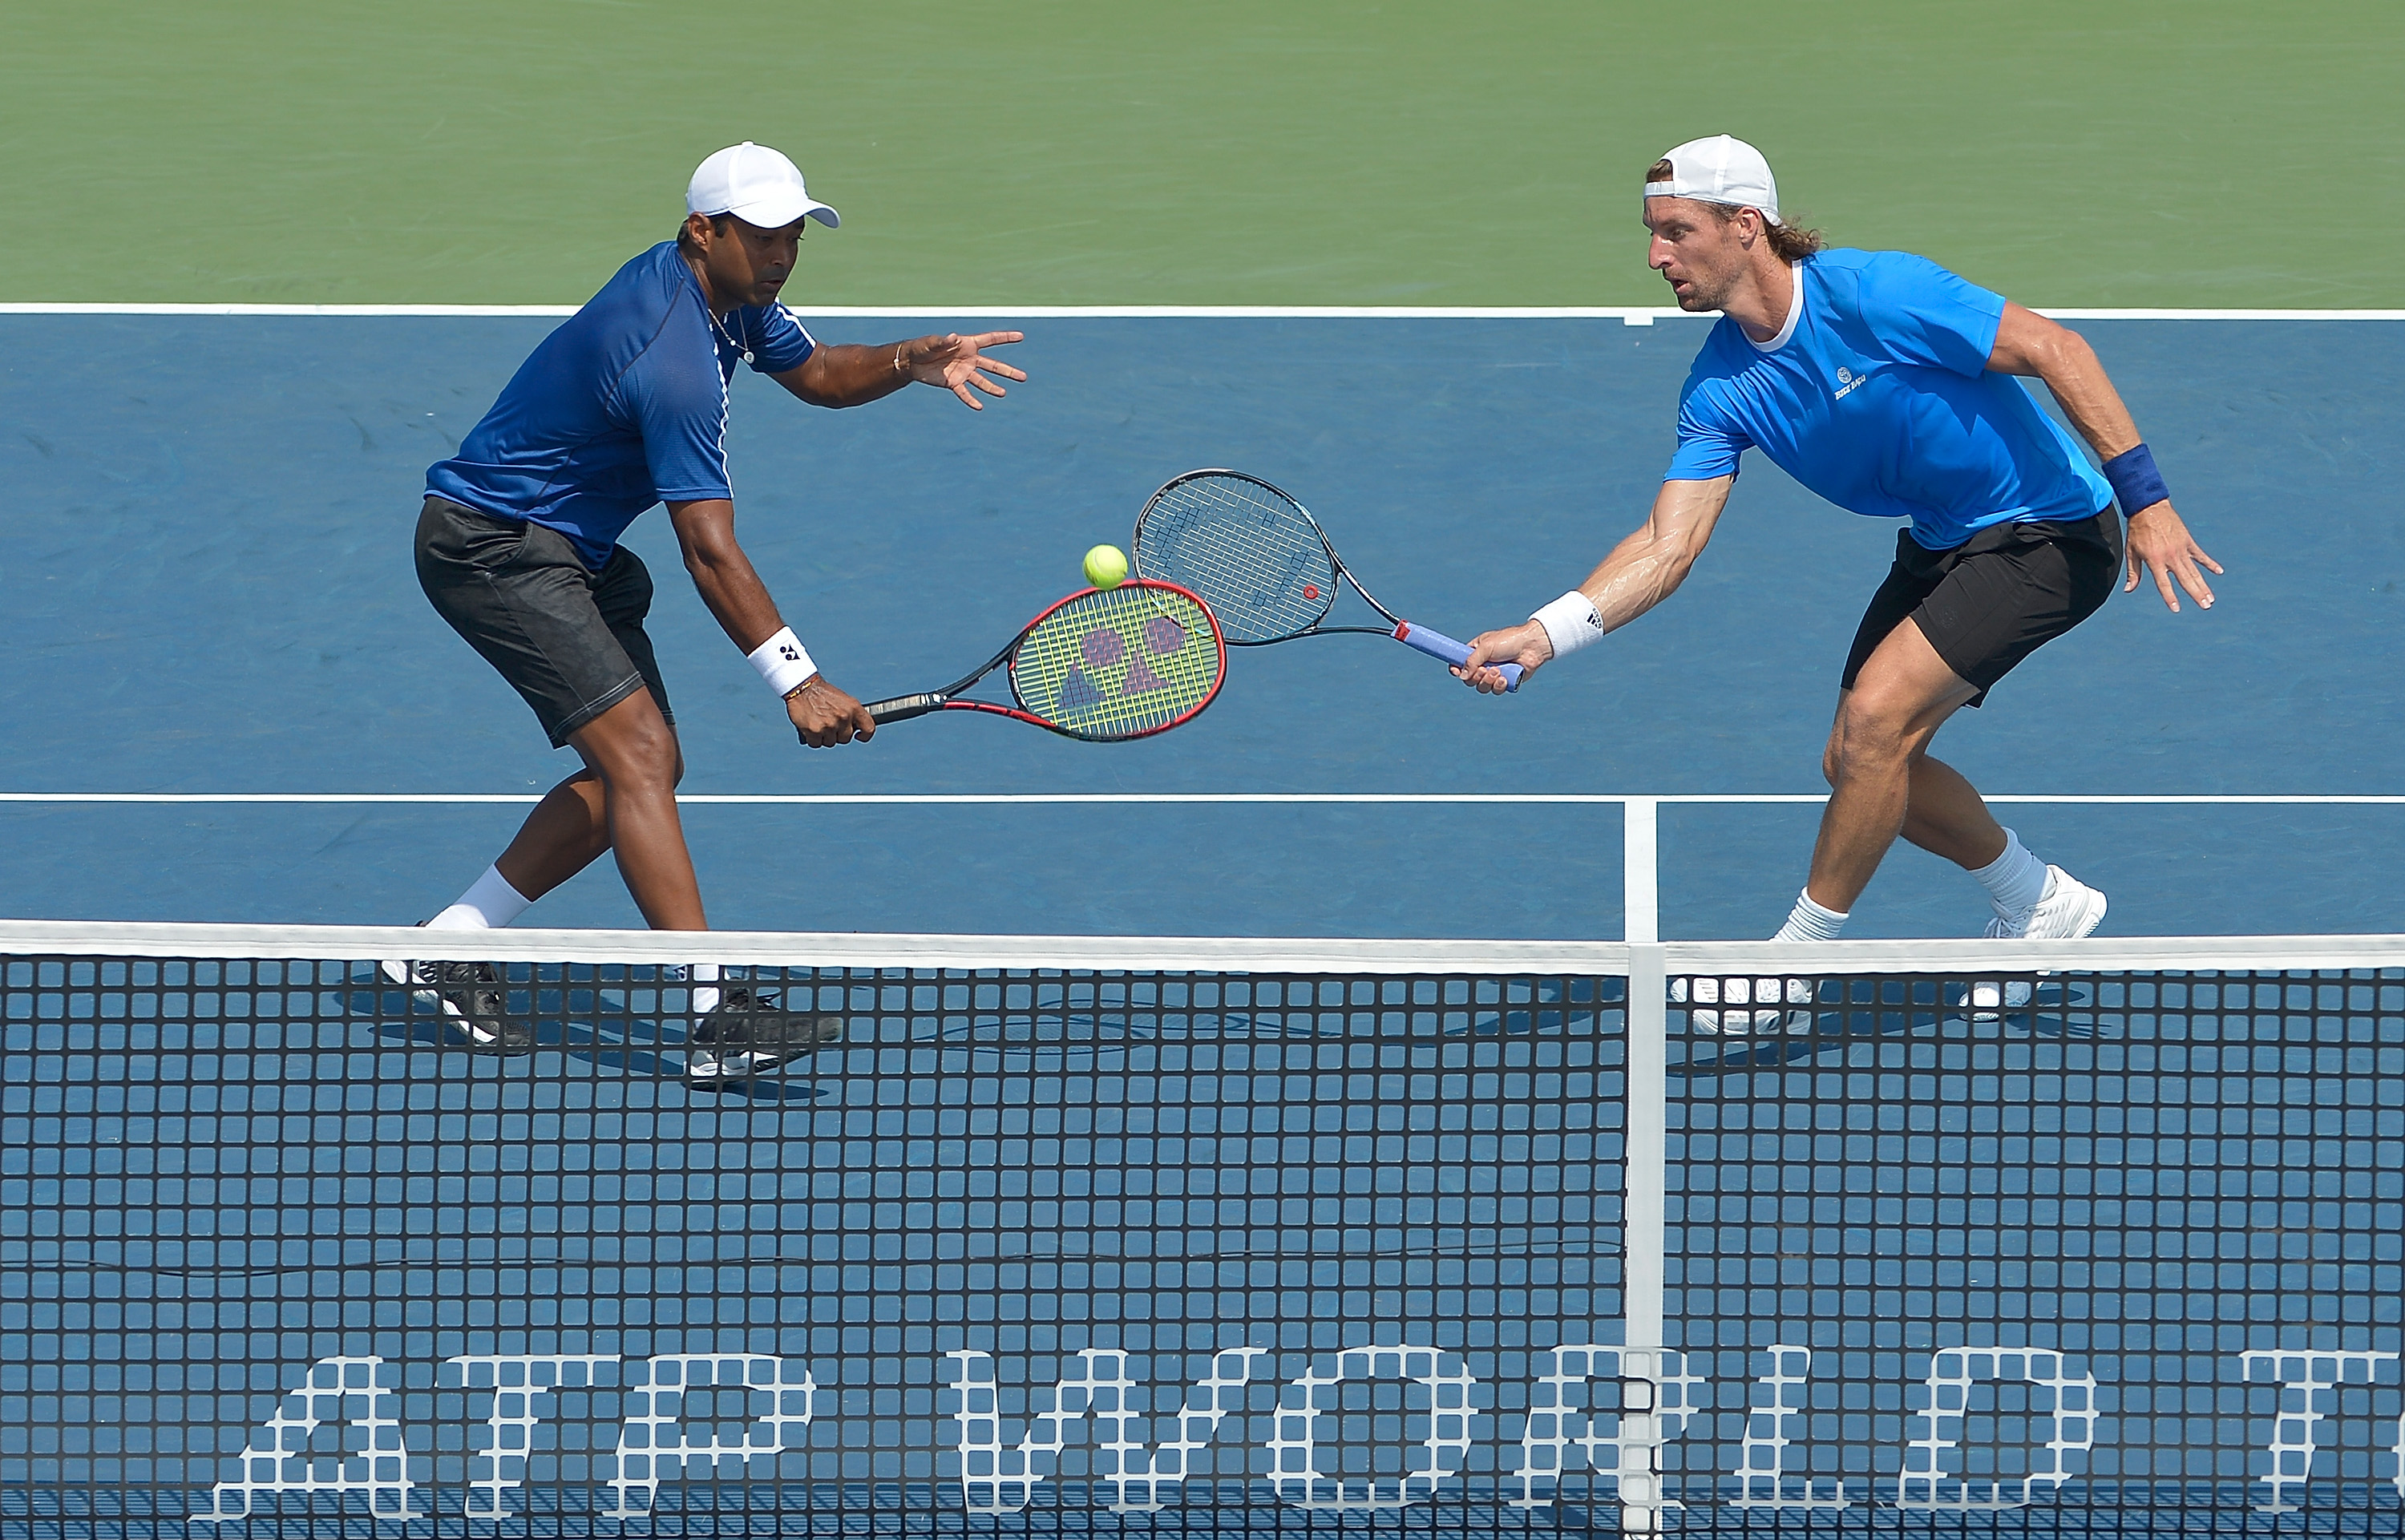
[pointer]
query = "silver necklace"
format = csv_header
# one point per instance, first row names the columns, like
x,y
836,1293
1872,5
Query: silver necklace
x,y
721,331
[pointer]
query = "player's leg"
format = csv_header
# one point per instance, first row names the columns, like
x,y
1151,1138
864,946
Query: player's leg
x,y
569,828
631,751
1947,816
1875,760
568,831
1944,814
1969,616
571,642
511,592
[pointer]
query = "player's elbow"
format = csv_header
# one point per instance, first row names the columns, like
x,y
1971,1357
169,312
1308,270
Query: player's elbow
x,y
2069,355
2055,354
709,554
706,563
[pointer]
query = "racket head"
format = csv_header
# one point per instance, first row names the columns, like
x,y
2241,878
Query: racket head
x,y
1111,664
1249,551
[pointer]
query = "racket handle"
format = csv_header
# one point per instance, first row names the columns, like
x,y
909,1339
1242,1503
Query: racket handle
x,y
904,707
1438,645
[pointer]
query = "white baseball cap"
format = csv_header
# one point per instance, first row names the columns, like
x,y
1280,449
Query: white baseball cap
x,y
755,184
1719,170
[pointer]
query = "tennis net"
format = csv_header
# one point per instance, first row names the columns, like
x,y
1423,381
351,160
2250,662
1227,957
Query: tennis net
x,y
1456,1236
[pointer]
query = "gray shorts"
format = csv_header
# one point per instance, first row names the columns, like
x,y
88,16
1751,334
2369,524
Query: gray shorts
x,y
569,639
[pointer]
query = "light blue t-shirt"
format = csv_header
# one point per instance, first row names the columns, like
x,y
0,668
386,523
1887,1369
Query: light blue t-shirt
x,y
1878,396
622,407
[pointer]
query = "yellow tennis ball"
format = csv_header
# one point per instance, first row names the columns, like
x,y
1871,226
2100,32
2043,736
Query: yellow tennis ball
x,y
1107,567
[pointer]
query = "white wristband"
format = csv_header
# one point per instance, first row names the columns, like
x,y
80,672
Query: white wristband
x,y
1570,622
783,661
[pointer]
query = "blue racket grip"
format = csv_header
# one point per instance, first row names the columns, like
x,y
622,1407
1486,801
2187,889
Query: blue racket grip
x,y
1438,645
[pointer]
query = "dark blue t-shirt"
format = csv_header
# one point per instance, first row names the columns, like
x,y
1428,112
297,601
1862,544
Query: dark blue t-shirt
x,y
1878,396
622,407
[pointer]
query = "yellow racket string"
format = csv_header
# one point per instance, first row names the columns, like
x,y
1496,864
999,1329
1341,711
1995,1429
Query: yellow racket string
x,y
1118,663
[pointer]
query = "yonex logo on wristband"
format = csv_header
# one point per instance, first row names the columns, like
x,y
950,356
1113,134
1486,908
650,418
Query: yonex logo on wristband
x,y
783,661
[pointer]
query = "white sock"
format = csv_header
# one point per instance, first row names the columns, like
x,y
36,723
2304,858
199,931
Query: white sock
x,y
2015,880
489,905
701,1001
1810,921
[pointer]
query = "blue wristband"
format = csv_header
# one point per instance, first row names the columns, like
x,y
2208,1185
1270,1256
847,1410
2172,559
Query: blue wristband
x,y
2136,483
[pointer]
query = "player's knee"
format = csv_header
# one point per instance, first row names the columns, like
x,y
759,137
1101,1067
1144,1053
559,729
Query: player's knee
x,y
1868,736
643,759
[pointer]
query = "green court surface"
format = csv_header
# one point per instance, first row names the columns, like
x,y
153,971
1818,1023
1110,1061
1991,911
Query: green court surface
x,y
2070,152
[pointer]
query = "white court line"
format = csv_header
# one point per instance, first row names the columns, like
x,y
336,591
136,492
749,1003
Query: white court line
x,y
1626,314
1640,896
1173,799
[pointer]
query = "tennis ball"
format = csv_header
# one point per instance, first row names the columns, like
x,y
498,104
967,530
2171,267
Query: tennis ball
x,y
1107,567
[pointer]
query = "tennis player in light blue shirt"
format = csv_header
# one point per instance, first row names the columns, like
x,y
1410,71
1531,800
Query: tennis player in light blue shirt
x,y
1886,384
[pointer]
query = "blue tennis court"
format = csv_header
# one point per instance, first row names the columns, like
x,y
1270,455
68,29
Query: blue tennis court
x,y
1089,1231
209,594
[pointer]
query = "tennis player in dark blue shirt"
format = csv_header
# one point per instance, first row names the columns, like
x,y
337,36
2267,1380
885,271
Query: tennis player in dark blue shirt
x,y
625,407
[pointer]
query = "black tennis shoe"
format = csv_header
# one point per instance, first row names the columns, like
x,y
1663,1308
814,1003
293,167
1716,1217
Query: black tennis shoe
x,y
473,1000
749,1034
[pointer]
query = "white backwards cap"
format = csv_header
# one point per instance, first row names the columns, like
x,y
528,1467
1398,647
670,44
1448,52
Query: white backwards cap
x,y
1719,170
756,185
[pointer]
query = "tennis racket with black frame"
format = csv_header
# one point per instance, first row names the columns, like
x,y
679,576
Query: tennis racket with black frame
x,y
1104,665
1264,565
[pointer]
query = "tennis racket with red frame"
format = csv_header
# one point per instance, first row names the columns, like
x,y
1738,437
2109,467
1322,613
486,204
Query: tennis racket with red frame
x,y
1103,665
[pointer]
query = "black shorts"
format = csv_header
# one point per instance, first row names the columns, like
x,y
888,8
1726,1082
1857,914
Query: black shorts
x,y
1996,598
568,638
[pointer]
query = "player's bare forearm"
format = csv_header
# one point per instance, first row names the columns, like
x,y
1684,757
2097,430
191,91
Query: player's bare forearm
x,y
2158,539
1643,569
849,375
723,574
1648,566
2029,345
822,714
846,374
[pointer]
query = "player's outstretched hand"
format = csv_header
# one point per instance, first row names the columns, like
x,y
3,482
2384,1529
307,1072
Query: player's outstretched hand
x,y
826,716
958,363
1526,645
2157,539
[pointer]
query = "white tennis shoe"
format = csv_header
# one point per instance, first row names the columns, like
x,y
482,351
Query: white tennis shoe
x,y
1739,1006
2068,910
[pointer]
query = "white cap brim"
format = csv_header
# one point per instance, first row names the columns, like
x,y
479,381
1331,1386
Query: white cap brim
x,y
779,210
1670,190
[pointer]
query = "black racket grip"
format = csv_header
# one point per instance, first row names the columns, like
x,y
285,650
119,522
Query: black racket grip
x,y
904,707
